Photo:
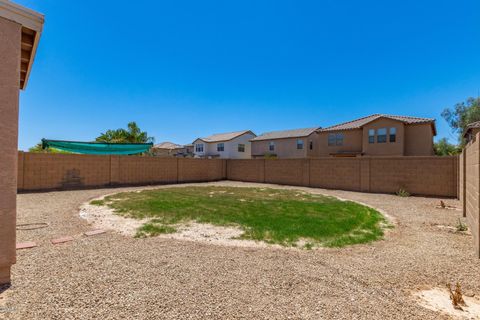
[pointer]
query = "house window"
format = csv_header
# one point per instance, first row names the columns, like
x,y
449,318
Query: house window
x,y
241,147
199,147
220,147
271,146
331,139
371,136
311,145
393,134
299,144
339,139
335,139
382,135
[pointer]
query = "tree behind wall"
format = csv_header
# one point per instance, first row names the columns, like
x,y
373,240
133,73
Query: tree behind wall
x,y
132,134
443,148
461,115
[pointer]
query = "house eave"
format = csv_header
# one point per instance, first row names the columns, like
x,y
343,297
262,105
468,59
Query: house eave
x,y
32,26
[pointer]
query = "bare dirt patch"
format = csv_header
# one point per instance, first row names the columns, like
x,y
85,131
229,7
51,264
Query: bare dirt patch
x,y
103,217
219,235
439,300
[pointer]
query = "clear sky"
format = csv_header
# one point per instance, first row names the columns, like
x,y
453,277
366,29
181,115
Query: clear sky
x,y
184,69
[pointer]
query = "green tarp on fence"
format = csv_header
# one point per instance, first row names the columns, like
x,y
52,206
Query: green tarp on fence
x,y
97,147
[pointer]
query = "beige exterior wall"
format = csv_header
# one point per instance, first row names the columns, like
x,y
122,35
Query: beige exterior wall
x,y
352,142
10,37
419,140
284,148
411,140
388,148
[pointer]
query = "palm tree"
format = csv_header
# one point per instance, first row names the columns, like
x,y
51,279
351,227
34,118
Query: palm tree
x,y
132,134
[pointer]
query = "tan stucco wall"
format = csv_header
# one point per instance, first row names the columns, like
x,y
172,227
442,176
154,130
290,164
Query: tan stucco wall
x,y
10,37
419,140
352,142
388,148
284,148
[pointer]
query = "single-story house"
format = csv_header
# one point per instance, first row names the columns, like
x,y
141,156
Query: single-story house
x,y
297,143
169,149
377,135
232,145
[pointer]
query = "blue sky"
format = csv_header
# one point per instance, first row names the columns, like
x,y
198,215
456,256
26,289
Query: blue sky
x,y
184,69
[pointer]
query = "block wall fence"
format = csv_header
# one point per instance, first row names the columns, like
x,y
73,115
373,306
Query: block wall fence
x,y
470,187
431,176
43,171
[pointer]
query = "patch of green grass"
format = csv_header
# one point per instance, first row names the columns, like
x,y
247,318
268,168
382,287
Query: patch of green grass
x,y
275,216
97,202
152,229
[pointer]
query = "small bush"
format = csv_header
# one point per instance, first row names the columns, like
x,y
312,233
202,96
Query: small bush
x,y
461,226
403,193
456,296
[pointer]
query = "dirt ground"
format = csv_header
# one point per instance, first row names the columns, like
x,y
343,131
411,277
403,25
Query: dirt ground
x,y
113,276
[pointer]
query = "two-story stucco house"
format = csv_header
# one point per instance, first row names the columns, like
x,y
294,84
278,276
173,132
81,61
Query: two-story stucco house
x,y
232,145
377,135
297,143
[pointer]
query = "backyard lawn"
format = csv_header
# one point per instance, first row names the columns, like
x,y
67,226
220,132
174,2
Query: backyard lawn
x,y
285,217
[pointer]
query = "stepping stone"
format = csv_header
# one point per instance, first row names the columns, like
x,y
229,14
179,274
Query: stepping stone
x,y
94,232
26,245
61,240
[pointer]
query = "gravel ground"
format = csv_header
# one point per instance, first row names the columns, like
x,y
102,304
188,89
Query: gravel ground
x,y
111,276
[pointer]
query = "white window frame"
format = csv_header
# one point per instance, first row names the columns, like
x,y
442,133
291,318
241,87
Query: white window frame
x,y
220,147
241,147
199,148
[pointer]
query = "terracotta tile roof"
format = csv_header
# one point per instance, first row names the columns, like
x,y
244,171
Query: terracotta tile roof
x,y
296,133
167,145
359,123
219,137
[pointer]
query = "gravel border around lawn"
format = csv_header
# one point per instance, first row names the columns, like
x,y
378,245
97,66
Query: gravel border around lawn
x,y
111,276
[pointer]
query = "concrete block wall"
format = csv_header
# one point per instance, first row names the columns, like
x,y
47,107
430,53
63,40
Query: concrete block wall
x,y
436,176
44,171
430,176
246,170
470,188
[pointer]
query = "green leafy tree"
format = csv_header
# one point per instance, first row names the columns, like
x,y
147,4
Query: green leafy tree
x,y
132,134
461,115
38,149
443,148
